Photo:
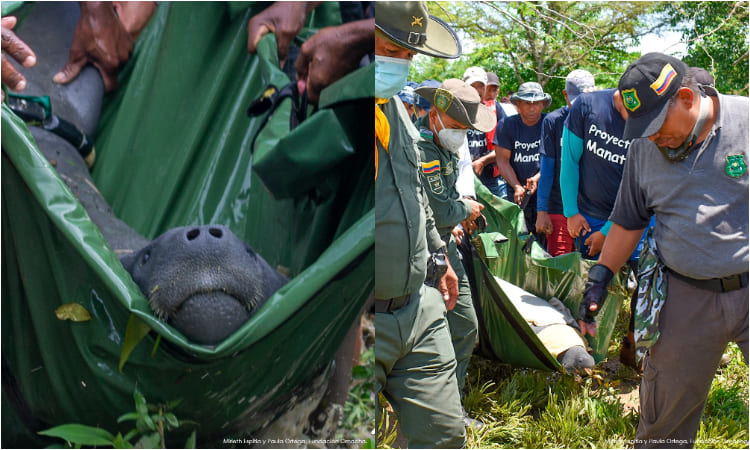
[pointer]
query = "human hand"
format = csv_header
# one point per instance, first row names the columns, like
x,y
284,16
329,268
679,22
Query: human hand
x,y
469,226
519,192
477,166
543,222
532,183
458,233
476,209
595,242
448,286
578,225
18,50
284,19
594,295
330,54
134,16
100,39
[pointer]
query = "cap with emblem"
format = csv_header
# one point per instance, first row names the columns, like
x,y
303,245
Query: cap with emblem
x,y
531,92
461,102
409,25
421,102
646,88
474,74
576,82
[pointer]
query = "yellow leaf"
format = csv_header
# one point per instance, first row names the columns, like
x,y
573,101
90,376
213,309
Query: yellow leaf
x,y
134,333
72,311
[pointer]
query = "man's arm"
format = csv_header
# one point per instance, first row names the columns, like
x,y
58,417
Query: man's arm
x,y
502,159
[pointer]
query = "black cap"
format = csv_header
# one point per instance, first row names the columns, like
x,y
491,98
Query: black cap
x,y
646,88
409,25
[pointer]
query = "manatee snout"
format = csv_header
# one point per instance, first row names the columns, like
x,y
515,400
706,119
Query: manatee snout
x,y
575,359
203,280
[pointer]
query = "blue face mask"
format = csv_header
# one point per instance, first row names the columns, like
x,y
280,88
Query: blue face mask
x,y
390,75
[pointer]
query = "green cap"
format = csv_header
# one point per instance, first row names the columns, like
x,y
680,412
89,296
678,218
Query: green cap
x,y
461,102
409,25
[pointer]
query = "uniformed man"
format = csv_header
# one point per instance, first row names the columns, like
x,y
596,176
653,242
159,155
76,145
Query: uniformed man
x,y
687,167
415,365
457,108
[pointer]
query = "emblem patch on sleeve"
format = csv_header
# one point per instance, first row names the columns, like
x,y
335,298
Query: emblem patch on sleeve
x,y
431,167
736,166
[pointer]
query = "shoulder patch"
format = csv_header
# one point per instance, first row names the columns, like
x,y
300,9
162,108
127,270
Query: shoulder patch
x,y
431,167
427,134
736,166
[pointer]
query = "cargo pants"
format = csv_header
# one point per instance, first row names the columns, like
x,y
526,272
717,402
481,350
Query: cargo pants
x,y
695,327
462,319
415,369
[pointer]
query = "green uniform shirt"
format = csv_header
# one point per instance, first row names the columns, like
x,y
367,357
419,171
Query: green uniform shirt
x,y
439,170
404,227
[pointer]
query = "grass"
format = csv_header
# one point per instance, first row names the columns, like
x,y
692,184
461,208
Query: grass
x,y
538,409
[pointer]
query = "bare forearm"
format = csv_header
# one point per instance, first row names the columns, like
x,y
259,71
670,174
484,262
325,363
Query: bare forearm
x,y
618,246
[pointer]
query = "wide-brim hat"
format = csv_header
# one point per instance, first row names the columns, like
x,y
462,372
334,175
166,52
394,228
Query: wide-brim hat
x,y
531,92
409,25
461,102
646,88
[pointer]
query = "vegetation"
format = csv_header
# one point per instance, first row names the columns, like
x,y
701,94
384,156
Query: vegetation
x,y
717,33
544,41
151,424
529,408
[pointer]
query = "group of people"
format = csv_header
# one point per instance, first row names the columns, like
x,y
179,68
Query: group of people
x,y
662,151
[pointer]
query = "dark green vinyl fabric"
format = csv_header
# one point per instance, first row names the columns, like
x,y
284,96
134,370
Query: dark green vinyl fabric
x,y
173,150
503,251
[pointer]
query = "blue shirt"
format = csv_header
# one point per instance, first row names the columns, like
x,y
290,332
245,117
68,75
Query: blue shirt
x,y
478,148
549,198
523,141
594,155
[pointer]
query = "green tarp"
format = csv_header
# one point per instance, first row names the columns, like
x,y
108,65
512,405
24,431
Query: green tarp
x,y
504,251
173,150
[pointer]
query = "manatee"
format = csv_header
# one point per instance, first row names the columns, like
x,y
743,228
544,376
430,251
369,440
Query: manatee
x,y
553,324
203,280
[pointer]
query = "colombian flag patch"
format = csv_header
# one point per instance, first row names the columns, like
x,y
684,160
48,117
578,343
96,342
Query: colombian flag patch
x,y
431,167
665,79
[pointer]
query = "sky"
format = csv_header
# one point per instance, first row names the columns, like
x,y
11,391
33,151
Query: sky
x,y
667,42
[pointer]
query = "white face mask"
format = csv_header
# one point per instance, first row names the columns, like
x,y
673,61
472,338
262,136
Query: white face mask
x,y
451,139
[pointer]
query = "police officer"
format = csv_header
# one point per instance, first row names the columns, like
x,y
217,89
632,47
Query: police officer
x,y
415,365
687,166
457,108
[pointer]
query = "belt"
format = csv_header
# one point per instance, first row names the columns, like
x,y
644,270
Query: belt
x,y
386,305
725,284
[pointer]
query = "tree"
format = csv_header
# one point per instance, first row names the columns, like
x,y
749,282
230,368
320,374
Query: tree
x,y
716,34
542,41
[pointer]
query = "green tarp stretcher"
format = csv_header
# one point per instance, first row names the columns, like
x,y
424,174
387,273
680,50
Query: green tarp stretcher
x,y
173,150
505,251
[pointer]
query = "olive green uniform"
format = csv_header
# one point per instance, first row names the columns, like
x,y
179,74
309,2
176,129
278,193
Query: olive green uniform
x,y
415,365
439,170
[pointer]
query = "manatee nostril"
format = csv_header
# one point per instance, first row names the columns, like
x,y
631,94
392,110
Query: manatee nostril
x,y
215,232
192,234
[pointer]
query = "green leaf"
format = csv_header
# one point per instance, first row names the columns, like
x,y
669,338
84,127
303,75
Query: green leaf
x,y
81,434
141,406
172,420
151,440
120,442
190,443
127,416
73,312
134,334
